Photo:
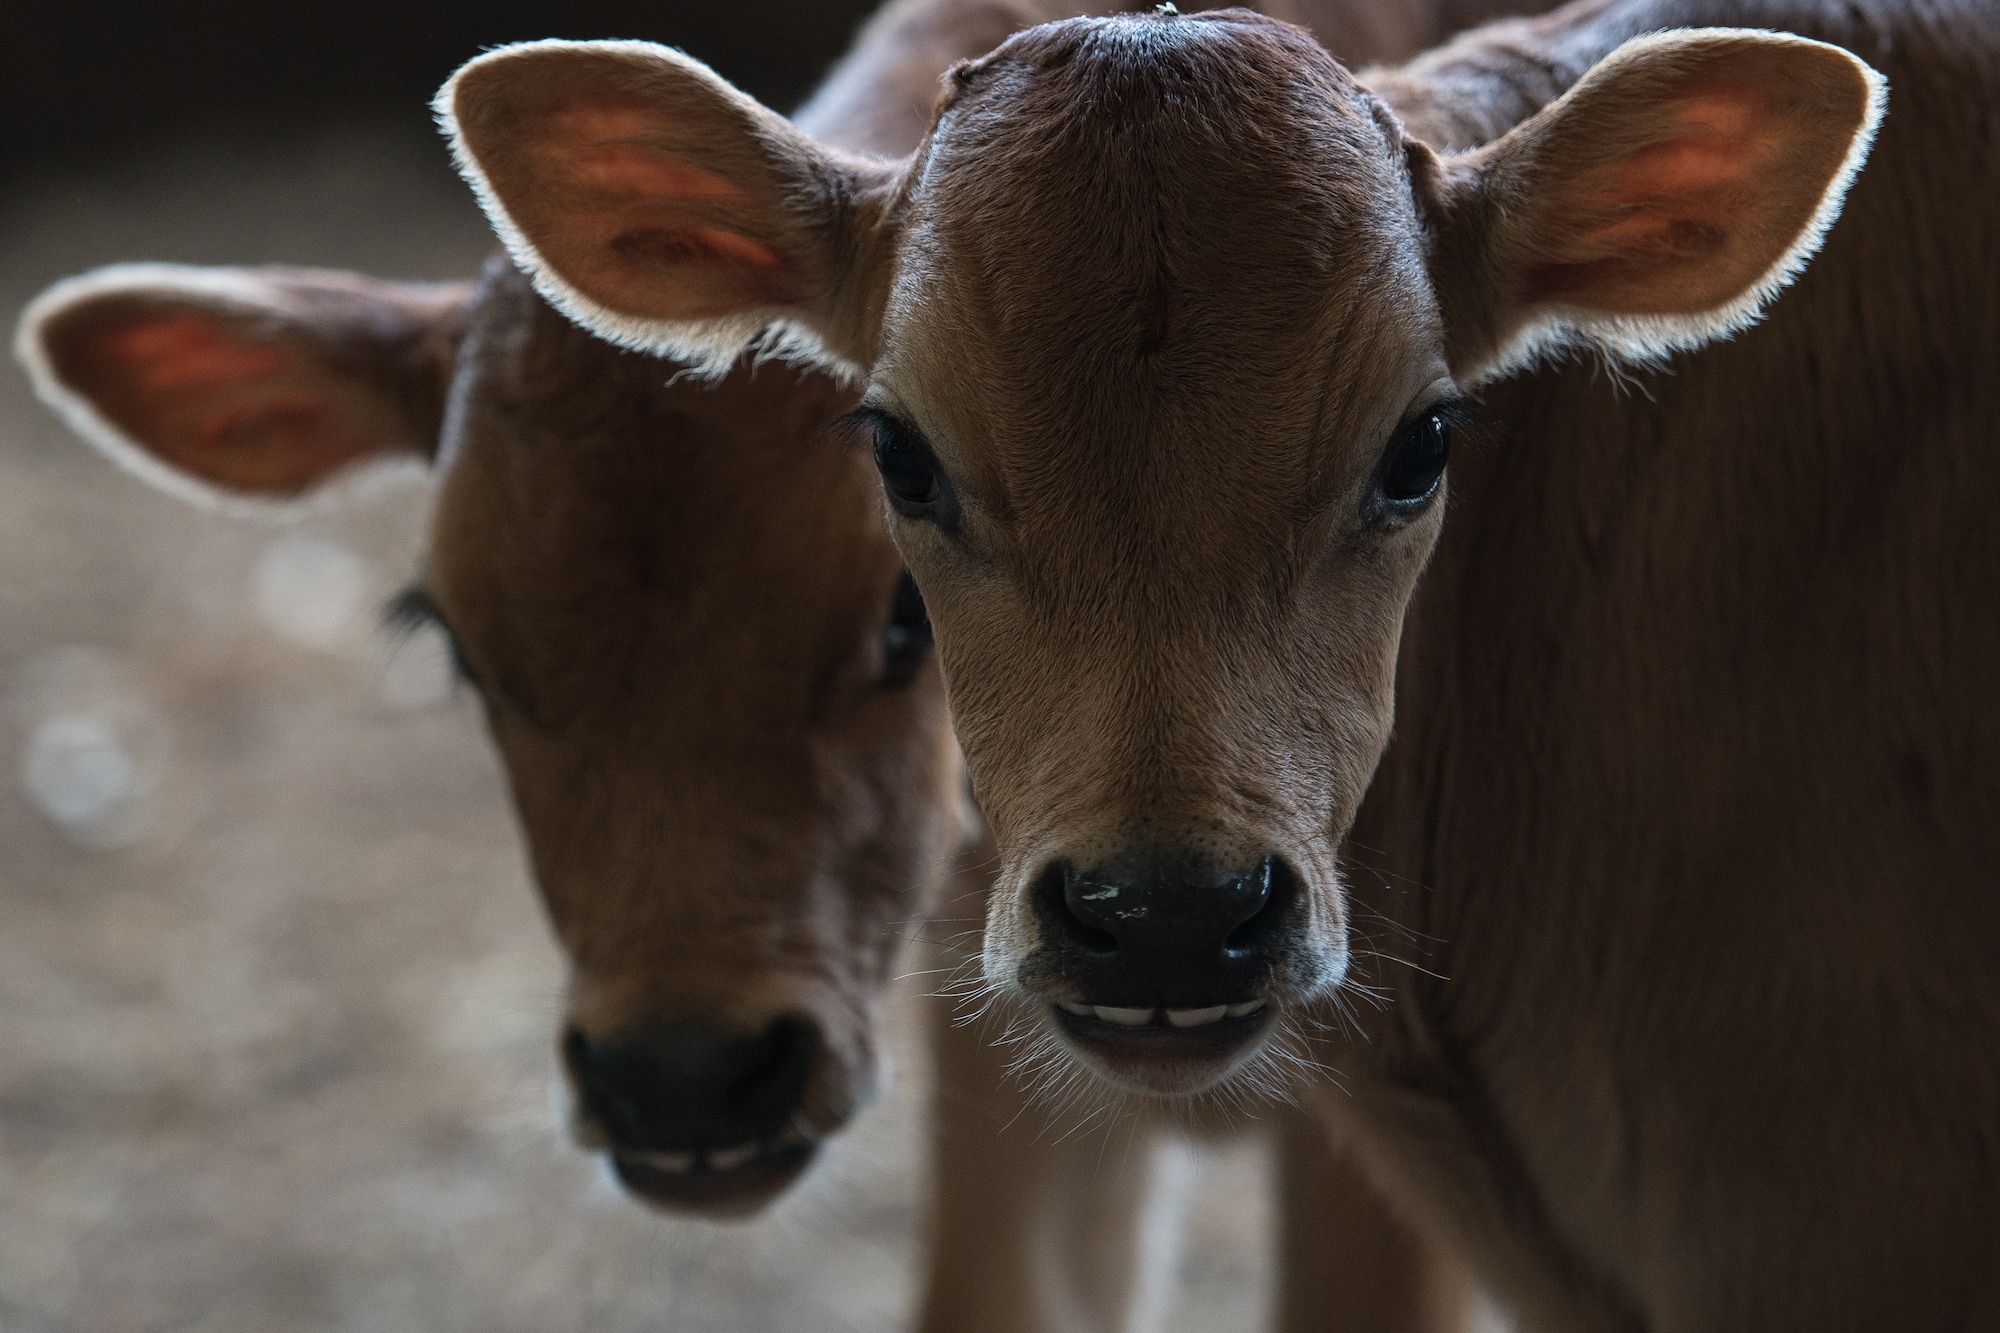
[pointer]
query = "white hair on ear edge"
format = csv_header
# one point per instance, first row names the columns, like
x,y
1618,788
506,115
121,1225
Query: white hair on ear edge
x,y
1642,340
230,290
706,349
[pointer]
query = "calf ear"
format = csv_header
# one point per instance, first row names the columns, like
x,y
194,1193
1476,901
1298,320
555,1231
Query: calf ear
x,y
666,211
257,382
1658,204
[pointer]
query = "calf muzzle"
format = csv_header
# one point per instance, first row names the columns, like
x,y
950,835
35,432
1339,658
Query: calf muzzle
x,y
698,1117
1167,935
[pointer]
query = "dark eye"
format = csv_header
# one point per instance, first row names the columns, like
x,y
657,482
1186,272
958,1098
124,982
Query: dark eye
x,y
906,639
909,470
1414,461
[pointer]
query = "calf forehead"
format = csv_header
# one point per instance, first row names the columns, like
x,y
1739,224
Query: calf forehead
x,y
606,530
1142,233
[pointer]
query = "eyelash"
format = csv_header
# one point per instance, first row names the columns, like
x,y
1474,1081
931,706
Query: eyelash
x,y
414,609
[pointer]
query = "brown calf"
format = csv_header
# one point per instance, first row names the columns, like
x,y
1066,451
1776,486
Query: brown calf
x,y
1164,330
724,734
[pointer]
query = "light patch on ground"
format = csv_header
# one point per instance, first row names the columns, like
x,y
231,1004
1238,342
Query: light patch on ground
x,y
91,746
310,590
83,776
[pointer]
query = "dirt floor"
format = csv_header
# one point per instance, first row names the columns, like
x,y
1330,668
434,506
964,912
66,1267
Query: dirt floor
x,y
276,999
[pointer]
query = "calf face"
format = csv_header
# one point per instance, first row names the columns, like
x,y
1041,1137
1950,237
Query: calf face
x,y
700,658
1165,328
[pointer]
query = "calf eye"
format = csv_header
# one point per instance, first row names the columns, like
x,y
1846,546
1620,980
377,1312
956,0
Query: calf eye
x,y
1414,462
908,470
915,484
906,640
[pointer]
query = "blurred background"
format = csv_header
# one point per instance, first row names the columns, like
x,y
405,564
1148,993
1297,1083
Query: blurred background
x,y
276,998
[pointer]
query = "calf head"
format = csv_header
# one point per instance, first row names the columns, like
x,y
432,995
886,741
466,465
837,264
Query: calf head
x,y
1165,329
704,668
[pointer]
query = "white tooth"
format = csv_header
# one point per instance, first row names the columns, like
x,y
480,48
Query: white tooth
x,y
728,1159
673,1163
1247,1007
1072,1007
1194,1018
1129,1018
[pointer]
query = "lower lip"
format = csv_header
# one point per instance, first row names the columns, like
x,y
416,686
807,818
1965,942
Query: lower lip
x,y
734,1193
1165,1059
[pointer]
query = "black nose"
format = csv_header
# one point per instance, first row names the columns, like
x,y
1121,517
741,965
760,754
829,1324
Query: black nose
x,y
692,1085
1166,933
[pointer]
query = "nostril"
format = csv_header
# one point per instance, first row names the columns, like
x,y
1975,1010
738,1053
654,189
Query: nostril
x,y
1062,902
691,1084
775,1071
1266,897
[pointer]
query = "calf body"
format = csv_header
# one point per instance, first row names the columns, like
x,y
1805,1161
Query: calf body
x,y
1677,873
1694,745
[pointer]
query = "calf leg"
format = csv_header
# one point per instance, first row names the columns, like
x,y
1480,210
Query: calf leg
x,y
1349,1264
1036,1226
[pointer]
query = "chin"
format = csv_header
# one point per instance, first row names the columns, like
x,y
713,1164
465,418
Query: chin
x,y
711,1185
1157,1058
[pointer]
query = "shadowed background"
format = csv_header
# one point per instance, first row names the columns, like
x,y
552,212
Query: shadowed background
x,y
276,997
96,77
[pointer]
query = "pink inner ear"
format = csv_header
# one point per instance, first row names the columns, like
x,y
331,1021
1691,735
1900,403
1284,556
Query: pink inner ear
x,y
644,179
250,413
1683,197
1675,197
606,151
638,226
189,355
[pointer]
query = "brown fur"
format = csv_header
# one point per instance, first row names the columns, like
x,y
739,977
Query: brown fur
x,y
1685,842
1694,753
1139,695
730,812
